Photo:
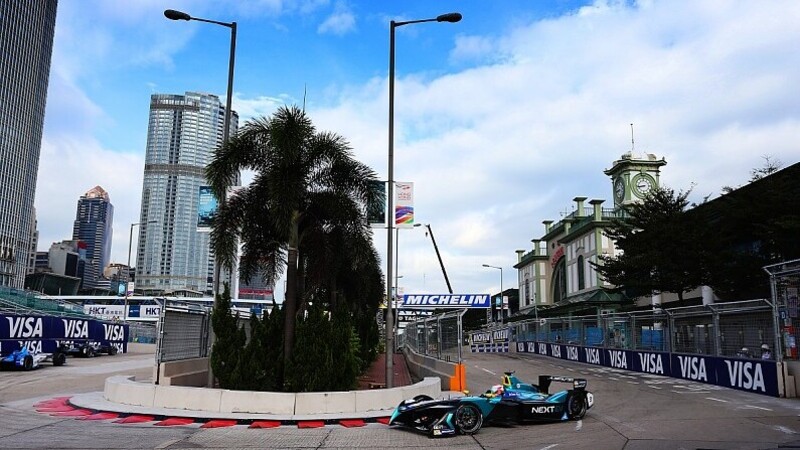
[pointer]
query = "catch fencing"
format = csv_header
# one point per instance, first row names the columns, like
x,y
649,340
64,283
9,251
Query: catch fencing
x,y
438,336
143,333
183,333
736,329
785,284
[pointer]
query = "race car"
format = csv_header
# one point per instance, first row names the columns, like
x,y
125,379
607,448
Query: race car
x,y
25,360
89,349
510,402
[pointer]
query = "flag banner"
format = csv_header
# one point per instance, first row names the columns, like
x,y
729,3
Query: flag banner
x,y
376,212
206,209
404,205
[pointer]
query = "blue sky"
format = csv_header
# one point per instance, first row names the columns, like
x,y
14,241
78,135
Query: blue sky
x,y
501,119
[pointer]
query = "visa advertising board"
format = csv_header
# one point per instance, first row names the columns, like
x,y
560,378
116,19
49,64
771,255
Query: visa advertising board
x,y
752,375
43,334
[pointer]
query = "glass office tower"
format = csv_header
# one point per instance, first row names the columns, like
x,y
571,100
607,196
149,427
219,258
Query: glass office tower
x,y
93,226
26,44
172,253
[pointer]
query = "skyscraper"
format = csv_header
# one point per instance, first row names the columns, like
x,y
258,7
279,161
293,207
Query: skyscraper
x,y
26,44
93,225
183,132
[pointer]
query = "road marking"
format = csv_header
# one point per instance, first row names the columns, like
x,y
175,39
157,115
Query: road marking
x,y
579,425
756,407
691,392
655,387
632,382
613,378
785,429
487,370
549,446
717,399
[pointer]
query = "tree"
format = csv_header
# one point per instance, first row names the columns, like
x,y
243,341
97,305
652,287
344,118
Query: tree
x,y
304,179
661,249
229,343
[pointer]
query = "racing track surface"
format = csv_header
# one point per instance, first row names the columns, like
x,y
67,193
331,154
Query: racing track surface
x,y
632,411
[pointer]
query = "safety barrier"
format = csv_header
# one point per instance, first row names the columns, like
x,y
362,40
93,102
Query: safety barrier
x,y
45,334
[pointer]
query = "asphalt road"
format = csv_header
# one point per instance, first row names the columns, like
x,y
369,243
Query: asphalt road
x,y
632,411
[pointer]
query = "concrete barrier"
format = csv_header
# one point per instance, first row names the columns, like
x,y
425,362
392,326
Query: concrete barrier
x,y
185,372
123,389
452,375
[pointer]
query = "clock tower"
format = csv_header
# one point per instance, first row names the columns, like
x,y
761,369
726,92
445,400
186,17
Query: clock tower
x,y
633,177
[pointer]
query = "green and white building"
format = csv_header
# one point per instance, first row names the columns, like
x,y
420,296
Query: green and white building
x,y
557,274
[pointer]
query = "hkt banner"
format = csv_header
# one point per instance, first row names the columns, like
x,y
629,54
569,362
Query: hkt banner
x,y
404,205
472,301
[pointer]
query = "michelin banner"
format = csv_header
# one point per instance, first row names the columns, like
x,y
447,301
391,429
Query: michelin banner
x,y
471,301
759,376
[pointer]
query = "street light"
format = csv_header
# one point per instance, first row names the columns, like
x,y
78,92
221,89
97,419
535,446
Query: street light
x,y
179,15
451,17
501,290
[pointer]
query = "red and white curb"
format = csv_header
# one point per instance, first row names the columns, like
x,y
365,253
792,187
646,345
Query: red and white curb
x,y
61,407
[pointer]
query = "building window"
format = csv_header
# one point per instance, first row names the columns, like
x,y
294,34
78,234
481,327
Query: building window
x,y
560,281
581,274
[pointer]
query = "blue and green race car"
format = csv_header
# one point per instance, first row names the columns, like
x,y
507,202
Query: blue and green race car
x,y
513,401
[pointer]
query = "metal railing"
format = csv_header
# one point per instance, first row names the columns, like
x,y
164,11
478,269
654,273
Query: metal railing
x,y
439,336
720,329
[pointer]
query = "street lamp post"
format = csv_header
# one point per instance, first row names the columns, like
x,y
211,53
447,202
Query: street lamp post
x,y
451,17
501,290
178,15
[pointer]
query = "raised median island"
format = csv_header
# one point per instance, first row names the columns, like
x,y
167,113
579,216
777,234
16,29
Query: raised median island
x,y
125,390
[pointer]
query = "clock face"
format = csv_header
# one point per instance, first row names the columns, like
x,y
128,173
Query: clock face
x,y
643,184
619,190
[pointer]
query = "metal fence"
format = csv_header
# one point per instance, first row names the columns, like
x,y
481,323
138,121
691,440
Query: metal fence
x,y
144,333
720,329
438,336
183,333
785,283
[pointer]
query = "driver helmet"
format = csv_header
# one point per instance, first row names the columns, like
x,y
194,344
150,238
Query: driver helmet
x,y
497,390
765,347
744,350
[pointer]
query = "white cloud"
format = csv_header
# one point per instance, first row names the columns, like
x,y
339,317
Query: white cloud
x,y
340,22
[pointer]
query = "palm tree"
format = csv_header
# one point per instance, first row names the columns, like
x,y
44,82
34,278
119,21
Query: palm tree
x,y
305,181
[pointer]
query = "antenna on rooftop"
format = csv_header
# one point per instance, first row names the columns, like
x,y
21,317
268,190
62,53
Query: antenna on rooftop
x,y
632,144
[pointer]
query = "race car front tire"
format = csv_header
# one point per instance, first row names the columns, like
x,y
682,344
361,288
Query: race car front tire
x,y
112,350
27,363
468,419
576,407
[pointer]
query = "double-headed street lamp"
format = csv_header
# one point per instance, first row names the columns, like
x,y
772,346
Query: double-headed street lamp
x,y
451,17
501,289
179,15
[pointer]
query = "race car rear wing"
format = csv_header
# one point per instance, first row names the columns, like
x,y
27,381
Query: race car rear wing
x,y
545,380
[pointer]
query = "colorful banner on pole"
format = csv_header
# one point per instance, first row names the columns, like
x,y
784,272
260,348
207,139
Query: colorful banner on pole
x,y
404,205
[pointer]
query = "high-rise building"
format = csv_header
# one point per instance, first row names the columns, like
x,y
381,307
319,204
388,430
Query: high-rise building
x,y
93,225
26,44
183,132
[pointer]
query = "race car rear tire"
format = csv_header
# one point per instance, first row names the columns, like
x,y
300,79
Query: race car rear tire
x,y
576,407
468,419
59,358
90,352
27,363
112,350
